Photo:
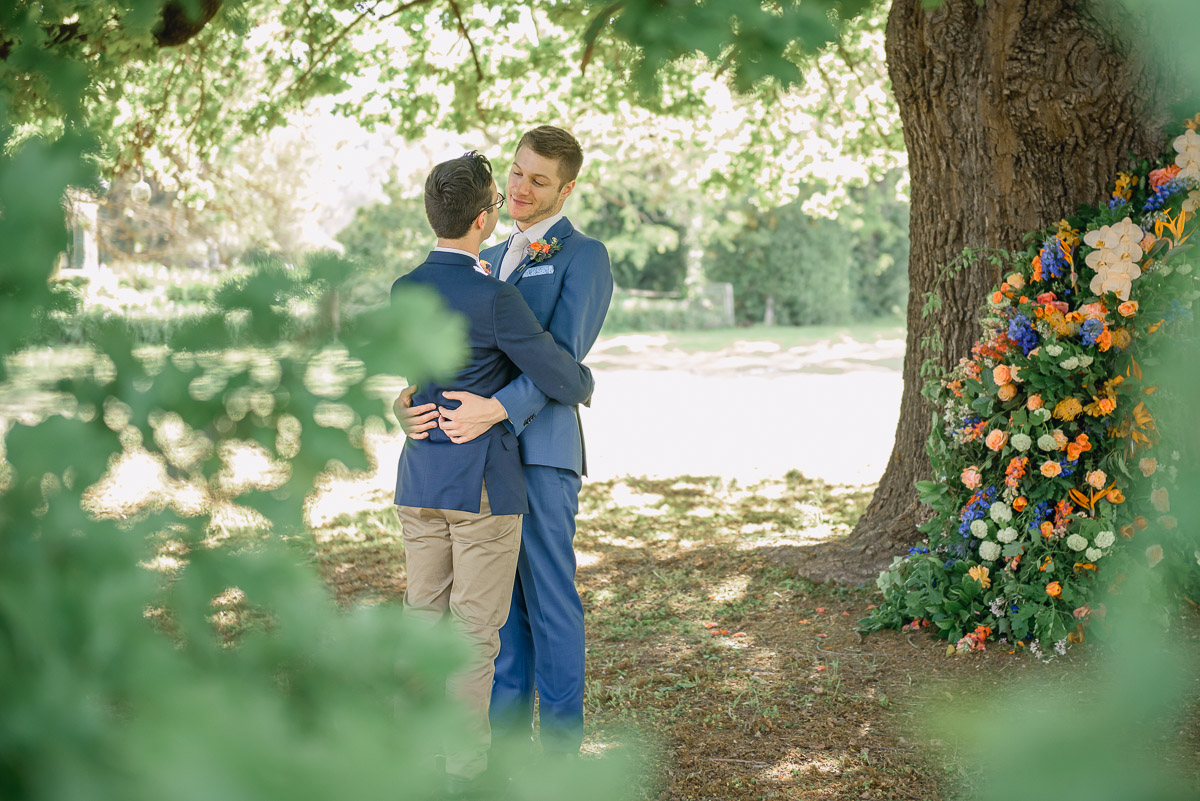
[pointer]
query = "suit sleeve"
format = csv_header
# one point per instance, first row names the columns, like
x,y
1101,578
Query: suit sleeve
x,y
587,290
552,370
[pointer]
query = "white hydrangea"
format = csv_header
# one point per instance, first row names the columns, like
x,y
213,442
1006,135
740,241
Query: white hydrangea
x,y
989,550
1000,512
979,528
1041,415
1054,351
1085,360
1006,534
1077,542
1105,538
1093,554
1069,363
1048,443
1022,442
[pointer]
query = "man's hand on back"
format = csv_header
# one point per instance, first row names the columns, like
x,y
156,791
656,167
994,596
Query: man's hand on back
x,y
474,416
417,421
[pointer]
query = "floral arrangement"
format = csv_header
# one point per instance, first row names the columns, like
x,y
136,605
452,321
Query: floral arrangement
x,y
542,249
1048,461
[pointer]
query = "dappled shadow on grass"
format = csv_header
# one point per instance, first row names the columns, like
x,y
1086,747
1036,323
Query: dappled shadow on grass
x,y
753,679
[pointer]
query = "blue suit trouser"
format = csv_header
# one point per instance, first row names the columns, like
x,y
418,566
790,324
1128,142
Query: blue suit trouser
x,y
541,645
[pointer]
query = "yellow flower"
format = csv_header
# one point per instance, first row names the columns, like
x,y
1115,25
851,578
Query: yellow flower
x,y
980,574
1174,225
1068,409
1068,235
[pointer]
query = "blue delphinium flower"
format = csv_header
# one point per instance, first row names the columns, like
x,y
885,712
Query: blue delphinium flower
x,y
1053,260
1163,193
1116,202
976,510
1177,311
917,550
1041,512
1021,331
1092,328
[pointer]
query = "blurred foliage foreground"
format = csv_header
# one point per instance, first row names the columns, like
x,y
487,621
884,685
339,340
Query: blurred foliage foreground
x,y
114,682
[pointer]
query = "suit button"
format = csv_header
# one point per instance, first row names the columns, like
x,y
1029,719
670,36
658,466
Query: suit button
x,y
530,420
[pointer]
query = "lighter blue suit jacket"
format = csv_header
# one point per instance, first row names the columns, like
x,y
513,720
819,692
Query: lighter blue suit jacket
x,y
569,293
505,340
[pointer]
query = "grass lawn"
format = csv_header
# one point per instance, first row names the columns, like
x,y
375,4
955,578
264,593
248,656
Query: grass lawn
x,y
785,337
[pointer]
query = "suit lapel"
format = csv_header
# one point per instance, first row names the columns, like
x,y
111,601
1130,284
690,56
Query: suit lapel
x,y
560,230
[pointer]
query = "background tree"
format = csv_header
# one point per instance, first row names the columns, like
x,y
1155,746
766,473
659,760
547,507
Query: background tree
x,y
1015,113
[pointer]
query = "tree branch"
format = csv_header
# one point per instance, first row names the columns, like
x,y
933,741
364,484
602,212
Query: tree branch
x,y
342,34
462,28
176,27
593,33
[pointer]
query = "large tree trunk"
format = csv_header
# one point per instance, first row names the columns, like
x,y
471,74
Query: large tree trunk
x,y
1015,112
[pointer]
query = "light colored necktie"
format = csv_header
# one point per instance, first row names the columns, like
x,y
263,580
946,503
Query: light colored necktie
x,y
514,254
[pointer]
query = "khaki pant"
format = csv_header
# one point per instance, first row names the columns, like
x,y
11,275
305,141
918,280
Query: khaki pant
x,y
464,563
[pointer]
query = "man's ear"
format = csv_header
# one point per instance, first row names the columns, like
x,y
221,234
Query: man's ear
x,y
565,192
480,220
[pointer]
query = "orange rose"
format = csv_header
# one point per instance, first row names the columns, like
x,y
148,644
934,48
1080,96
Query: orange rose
x,y
1096,479
971,477
1016,281
1054,589
1047,529
1128,308
1007,392
1079,446
1060,438
1163,175
1105,340
996,439
1033,402
1106,406
1050,469
1001,374
1020,503
997,297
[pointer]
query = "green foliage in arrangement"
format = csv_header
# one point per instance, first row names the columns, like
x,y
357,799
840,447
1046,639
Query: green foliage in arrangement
x,y
1054,460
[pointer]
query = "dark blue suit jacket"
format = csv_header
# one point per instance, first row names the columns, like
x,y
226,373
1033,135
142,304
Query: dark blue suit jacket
x,y
505,341
569,293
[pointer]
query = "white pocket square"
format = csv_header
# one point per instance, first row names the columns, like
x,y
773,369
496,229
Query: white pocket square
x,y
539,269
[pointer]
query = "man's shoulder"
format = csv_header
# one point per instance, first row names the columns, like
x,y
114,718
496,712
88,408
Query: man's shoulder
x,y
579,243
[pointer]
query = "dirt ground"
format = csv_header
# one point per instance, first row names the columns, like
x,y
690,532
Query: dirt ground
x,y
732,678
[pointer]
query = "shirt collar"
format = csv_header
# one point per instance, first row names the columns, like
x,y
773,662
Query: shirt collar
x,y
472,256
537,230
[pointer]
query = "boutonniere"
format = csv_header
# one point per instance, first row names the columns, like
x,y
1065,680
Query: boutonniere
x,y
541,249
484,267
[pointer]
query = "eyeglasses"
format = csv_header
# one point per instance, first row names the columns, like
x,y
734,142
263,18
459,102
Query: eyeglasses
x,y
497,205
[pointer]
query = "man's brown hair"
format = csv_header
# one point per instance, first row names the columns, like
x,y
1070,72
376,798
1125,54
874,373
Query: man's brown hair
x,y
555,143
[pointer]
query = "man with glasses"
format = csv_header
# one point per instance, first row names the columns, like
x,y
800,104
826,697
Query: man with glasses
x,y
566,278
461,504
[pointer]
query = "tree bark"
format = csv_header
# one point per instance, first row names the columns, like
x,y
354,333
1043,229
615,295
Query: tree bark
x,y
1015,113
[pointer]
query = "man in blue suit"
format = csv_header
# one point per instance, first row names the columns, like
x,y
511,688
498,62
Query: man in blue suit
x,y
461,504
567,281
